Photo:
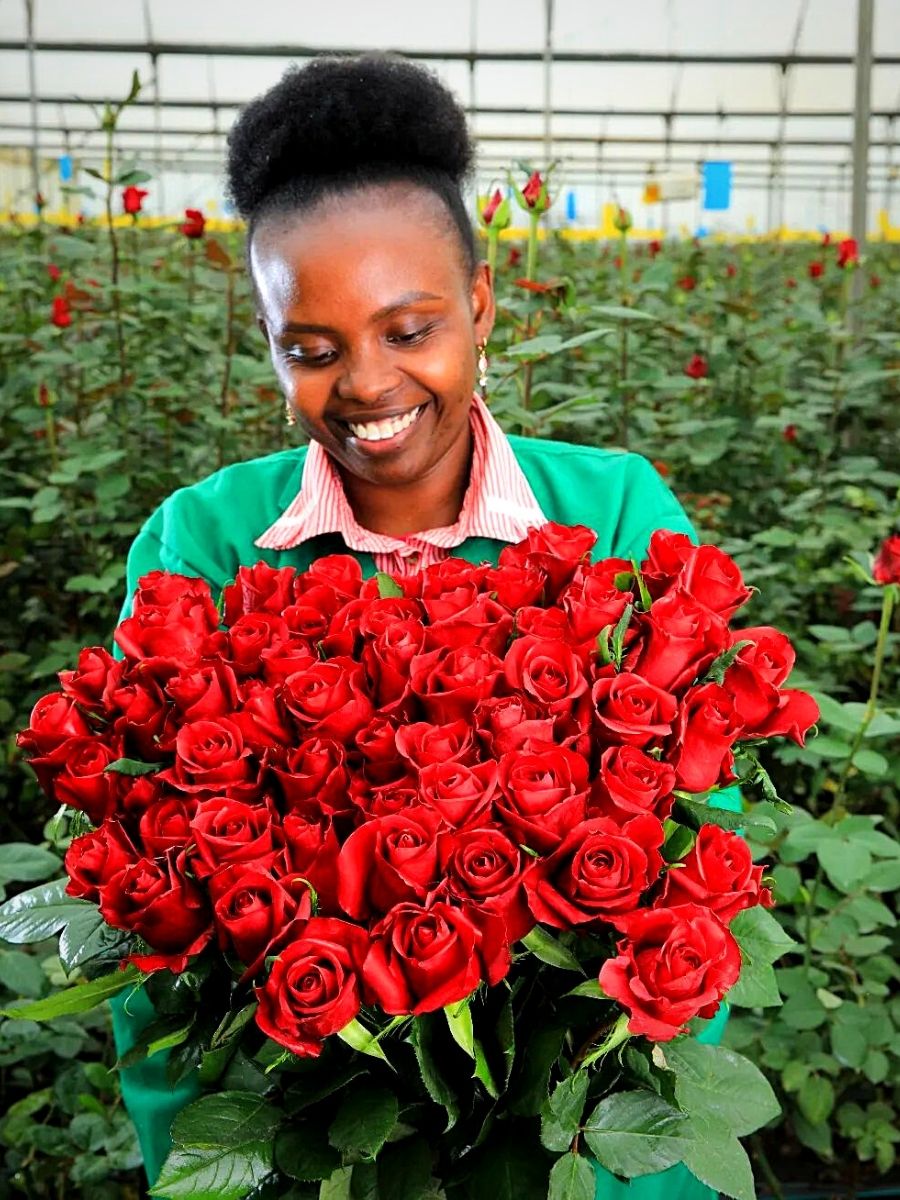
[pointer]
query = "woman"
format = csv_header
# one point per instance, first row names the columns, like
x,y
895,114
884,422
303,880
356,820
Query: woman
x,y
374,305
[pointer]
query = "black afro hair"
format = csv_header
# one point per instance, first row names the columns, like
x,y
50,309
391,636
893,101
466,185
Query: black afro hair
x,y
342,122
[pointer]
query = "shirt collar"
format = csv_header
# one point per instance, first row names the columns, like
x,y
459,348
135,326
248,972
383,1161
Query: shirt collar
x,y
498,503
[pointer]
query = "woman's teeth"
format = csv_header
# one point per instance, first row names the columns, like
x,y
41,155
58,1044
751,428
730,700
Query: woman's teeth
x,y
377,431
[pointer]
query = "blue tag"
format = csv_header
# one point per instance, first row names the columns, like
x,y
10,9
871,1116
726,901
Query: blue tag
x,y
716,185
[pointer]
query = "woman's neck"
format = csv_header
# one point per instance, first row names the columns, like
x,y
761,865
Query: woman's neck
x,y
428,503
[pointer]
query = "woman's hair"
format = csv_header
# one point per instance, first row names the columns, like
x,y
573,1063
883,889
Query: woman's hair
x,y
341,123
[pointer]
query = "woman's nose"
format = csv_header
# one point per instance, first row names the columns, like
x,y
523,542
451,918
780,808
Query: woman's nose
x,y
368,375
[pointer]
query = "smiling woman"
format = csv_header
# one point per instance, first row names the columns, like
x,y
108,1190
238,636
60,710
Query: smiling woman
x,y
374,305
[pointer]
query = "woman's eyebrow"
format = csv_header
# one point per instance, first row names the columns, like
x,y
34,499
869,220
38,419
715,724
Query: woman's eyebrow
x,y
388,310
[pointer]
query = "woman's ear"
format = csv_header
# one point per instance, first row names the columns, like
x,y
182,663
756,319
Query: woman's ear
x,y
483,307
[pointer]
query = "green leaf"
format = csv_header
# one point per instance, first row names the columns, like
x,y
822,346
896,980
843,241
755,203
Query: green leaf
x,y
338,1186
421,1036
366,1116
226,1119
845,862
815,1098
221,1173
483,1073
77,999
304,1152
696,814
387,585
618,635
359,1038
572,1178
459,1022
756,988
21,973
38,914
131,766
619,313
715,1082
761,938
591,988
561,1115
404,1170
24,863
718,1159
87,938
636,1133
546,948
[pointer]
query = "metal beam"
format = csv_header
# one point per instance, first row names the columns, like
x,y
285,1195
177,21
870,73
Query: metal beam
x,y
33,99
568,138
729,114
865,18
292,50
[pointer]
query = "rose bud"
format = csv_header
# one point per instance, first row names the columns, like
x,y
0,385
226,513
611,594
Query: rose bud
x,y
251,908
630,783
313,989
706,728
886,568
630,711
673,964
484,867
544,793
228,831
93,859
260,588
388,859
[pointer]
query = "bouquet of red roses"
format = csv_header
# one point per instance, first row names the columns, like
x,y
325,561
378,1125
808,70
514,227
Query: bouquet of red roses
x,y
369,830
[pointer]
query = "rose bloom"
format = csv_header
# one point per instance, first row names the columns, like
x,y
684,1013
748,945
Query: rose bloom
x,y
816,268
424,957
194,224
718,874
886,568
313,989
697,368
673,964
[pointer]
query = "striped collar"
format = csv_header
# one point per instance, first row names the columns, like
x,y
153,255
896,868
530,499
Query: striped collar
x,y
498,503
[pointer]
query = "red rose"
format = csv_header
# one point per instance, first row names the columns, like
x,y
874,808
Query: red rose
x,y
515,586
339,571
312,849
544,794
387,657
546,623
60,313
553,548
678,639
166,825
313,989
718,874
379,616
848,253
83,782
593,601
141,716
630,711
194,225
422,743
251,908
753,681
460,794
715,580
547,671
97,670
816,268
483,866
674,964
450,682
377,744
385,797
285,659
449,586
507,723
54,719
93,859
158,901
687,283
329,698
630,782
666,556
260,588
175,633
886,568
316,774
204,692
160,589
243,645
707,727
263,722
697,368
312,614
133,198
386,860
424,957
211,756
229,831
598,872
485,623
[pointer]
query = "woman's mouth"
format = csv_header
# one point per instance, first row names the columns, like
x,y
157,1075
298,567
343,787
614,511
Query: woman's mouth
x,y
390,429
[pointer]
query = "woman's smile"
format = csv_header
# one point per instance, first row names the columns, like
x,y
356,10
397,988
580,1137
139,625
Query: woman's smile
x,y
385,434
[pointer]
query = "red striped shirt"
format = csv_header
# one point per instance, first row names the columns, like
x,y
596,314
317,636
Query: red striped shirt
x,y
498,503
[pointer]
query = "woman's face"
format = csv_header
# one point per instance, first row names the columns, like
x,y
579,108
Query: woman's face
x,y
372,324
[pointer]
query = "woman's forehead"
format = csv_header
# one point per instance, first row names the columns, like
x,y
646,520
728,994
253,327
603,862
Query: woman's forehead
x,y
345,253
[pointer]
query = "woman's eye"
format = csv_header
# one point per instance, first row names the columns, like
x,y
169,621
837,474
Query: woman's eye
x,y
408,339
309,360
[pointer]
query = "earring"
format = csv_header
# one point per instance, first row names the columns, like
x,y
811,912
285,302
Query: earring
x,y
482,369
289,416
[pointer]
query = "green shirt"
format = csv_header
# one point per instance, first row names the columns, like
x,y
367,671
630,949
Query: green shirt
x,y
208,530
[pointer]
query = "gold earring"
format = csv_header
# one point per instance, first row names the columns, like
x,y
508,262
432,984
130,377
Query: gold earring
x,y
289,414
482,369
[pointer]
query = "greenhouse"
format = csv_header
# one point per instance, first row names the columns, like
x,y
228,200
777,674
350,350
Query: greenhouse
x,y
450,547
